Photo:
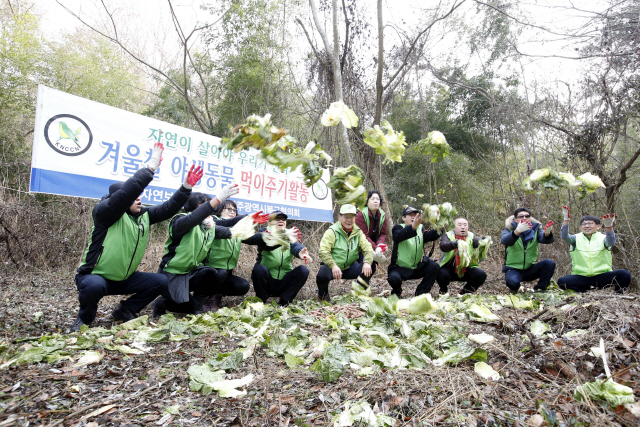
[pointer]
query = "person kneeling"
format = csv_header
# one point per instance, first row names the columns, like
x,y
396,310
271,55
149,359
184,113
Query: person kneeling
x,y
339,250
450,262
274,275
407,262
591,256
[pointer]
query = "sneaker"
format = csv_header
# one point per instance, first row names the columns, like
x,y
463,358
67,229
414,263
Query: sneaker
x,y
122,313
322,298
537,289
158,307
213,304
78,324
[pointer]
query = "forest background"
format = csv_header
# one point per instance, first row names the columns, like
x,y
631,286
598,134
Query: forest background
x,y
514,86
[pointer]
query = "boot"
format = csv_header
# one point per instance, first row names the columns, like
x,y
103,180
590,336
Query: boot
x,y
122,313
198,303
158,307
213,304
78,324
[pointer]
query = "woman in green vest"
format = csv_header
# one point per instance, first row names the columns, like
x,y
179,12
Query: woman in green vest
x,y
591,258
274,275
521,236
339,250
373,223
191,234
472,275
224,253
407,261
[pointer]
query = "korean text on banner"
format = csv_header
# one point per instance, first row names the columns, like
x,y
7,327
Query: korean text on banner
x,y
81,147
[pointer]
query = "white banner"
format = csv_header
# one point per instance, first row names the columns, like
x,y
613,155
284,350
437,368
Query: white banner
x,y
80,147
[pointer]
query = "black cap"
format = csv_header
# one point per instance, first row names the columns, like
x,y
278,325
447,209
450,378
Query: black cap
x,y
409,209
276,214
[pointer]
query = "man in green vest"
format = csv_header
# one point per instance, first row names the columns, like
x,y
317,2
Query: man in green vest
x,y
407,261
521,236
274,275
339,250
591,255
118,240
450,262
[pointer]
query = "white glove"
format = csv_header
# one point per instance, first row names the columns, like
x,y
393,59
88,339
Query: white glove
x,y
378,256
208,222
228,191
565,213
607,220
156,156
523,226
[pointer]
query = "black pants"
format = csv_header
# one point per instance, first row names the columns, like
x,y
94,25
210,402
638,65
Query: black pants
x,y
145,287
207,281
325,275
286,288
233,285
427,271
374,265
620,279
474,277
543,271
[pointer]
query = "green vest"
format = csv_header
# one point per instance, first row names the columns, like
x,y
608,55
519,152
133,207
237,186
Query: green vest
x,y
365,214
590,257
224,253
520,258
410,250
345,249
123,247
446,257
190,251
278,262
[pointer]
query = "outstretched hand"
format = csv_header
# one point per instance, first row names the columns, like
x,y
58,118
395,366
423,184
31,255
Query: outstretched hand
x,y
304,254
193,177
297,233
228,191
565,213
548,228
523,226
607,220
260,219
156,156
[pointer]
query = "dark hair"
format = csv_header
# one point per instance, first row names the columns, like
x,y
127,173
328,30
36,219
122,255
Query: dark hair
x,y
590,218
195,200
517,211
371,193
224,205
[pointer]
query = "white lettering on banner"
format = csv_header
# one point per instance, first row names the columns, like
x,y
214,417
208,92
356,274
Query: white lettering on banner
x,y
102,144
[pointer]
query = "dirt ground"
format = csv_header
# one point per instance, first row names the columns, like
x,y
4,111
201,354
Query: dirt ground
x,y
136,390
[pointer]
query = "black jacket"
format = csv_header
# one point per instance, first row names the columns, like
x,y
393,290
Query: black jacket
x,y
401,232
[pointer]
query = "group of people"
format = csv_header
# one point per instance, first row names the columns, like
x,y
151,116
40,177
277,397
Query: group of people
x,y
200,255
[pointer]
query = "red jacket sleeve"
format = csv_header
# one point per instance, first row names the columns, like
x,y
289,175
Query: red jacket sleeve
x,y
363,226
383,233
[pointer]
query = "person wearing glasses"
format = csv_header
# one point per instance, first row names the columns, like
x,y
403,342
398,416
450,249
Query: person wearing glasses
x,y
521,236
590,250
224,253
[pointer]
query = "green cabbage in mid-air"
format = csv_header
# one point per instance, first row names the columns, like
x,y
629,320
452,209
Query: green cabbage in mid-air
x,y
386,141
435,146
290,155
346,184
589,183
339,112
257,132
440,216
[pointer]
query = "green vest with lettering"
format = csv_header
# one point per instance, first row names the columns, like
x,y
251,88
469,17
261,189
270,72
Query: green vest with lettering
x,y
410,250
345,249
365,214
448,255
590,256
123,247
278,262
521,258
191,250
224,254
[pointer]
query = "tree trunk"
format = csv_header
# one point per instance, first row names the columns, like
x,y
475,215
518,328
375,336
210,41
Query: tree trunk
x,y
379,88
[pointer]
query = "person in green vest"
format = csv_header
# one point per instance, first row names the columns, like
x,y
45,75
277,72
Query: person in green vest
x,y
472,275
591,258
339,250
118,240
373,223
224,253
191,235
521,236
274,274
407,261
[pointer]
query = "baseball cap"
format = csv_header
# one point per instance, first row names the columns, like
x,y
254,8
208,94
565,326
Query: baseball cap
x,y
348,209
408,210
276,214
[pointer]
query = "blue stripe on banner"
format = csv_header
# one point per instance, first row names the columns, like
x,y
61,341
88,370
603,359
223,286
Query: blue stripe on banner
x,y
68,184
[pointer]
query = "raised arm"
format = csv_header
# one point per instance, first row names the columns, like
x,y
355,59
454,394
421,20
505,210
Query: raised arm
x,y
109,210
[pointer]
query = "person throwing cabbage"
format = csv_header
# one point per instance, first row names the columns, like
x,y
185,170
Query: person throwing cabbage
x,y
521,236
451,267
339,250
590,250
407,262
274,274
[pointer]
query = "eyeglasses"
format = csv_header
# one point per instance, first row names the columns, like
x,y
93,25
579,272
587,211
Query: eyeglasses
x,y
230,210
523,216
588,223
